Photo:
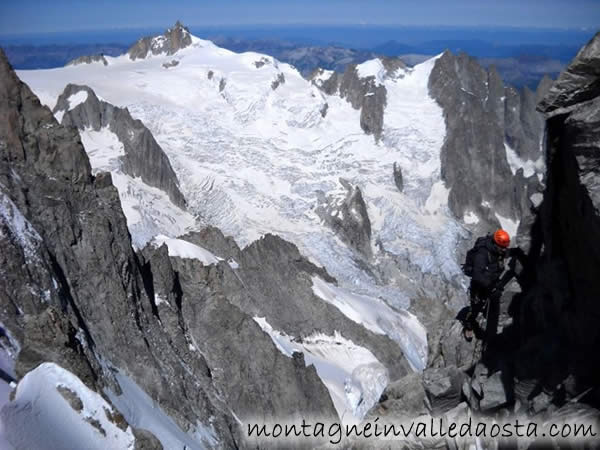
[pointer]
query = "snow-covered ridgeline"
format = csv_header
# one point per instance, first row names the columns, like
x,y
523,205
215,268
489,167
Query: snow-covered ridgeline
x,y
216,102
52,408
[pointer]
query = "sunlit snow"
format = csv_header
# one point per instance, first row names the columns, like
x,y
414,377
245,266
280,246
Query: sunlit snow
x,y
251,155
77,99
148,210
353,376
142,412
372,68
529,167
37,416
375,315
184,249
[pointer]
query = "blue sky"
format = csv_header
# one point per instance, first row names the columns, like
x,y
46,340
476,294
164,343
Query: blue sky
x,y
26,16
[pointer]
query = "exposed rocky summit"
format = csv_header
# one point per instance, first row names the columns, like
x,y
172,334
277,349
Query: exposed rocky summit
x,y
143,156
170,42
398,179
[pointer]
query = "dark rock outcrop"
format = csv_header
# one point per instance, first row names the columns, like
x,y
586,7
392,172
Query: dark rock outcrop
x,y
172,63
398,179
88,59
173,40
278,81
576,85
143,156
72,289
569,217
348,217
364,94
443,388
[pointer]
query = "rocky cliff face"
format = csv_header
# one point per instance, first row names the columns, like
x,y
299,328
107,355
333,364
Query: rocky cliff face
x,y
171,41
143,156
73,292
483,117
538,357
569,217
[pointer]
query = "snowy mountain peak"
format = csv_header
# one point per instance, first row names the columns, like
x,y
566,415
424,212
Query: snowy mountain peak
x,y
170,42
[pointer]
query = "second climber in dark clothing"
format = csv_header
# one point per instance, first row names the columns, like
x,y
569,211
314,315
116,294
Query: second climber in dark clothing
x,y
485,265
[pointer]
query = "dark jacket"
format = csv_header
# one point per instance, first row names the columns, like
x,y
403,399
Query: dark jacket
x,y
488,264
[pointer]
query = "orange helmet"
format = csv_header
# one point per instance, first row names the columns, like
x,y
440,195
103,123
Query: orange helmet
x,y
501,238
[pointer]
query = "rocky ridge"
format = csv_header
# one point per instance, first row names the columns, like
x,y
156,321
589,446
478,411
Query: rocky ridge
x,y
483,116
493,132
143,155
364,93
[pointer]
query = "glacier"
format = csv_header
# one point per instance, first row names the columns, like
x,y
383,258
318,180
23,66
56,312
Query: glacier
x,y
251,147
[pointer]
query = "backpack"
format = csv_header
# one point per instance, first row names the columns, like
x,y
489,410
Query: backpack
x,y
467,267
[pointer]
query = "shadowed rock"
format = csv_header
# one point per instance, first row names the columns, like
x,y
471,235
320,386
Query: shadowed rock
x,y
577,84
72,290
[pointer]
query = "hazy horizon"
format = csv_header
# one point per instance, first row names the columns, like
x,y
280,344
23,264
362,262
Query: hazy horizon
x,y
31,16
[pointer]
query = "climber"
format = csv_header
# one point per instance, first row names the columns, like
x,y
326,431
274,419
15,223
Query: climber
x,y
485,265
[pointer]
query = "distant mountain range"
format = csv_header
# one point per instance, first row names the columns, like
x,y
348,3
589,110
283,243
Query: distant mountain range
x,y
31,57
519,65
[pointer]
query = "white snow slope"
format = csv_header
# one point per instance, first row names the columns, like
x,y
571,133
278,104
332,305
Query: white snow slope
x,y
142,412
40,417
